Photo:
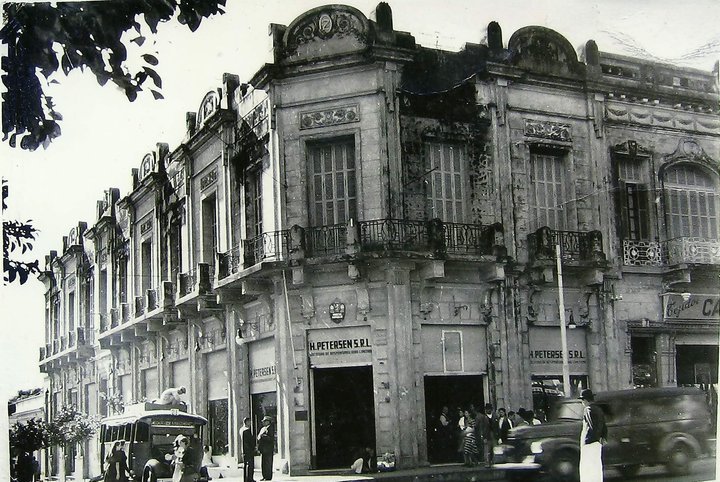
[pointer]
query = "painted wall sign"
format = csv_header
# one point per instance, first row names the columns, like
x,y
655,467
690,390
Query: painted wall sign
x,y
340,346
695,307
546,351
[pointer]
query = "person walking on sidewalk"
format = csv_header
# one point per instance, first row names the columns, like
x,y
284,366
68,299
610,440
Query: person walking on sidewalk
x,y
592,438
247,439
266,446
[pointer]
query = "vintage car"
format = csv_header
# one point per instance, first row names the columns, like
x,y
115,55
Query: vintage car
x,y
648,426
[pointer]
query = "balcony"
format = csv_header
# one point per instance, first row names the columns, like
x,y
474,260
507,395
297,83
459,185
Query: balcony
x,y
686,250
575,246
692,250
271,246
433,237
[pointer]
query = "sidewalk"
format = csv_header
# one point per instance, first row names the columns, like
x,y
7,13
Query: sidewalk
x,y
436,473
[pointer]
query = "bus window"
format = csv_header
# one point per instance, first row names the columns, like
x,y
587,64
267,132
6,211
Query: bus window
x,y
127,432
142,432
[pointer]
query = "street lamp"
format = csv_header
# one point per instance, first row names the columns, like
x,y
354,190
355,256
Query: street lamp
x,y
563,328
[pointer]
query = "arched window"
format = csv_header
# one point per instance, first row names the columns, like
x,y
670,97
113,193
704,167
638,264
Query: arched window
x,y
691,203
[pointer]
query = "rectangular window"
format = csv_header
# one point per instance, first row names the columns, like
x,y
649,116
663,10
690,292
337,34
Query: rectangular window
x,y
175,251
452,351
71,311
633,200
333,188
253,204
102,302
123,279
209,230
146,266
691,203
547,199
447,191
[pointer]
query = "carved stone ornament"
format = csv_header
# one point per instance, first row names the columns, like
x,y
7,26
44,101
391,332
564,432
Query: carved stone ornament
x,y
323,118
209,179
548,130
147,166
208,106
146,226
325,23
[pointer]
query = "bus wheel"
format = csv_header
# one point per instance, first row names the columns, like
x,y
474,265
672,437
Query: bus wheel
x,y
149,475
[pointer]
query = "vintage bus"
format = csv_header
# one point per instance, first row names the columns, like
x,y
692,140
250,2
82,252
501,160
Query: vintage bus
x,y
149,431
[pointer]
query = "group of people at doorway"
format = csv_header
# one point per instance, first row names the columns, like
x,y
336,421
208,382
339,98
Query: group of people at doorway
x,y
263,443
469,436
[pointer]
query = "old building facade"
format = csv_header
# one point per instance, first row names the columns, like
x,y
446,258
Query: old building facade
x,y
369,230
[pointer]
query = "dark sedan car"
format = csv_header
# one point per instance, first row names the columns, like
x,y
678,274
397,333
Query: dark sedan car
x,y
649,426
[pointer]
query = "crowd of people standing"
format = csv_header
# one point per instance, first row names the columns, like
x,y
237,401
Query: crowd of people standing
x,y
469,435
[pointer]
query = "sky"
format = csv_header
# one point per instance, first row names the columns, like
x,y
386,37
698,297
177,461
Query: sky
x,y
104,136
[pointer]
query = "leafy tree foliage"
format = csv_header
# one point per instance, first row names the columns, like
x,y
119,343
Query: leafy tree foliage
x,y
17,236
70,426
43,38
29,436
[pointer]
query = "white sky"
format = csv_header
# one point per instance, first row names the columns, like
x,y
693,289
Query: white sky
x,y
104,136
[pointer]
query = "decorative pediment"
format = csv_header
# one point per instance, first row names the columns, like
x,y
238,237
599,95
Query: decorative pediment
x,y
544,50
326,31
209,105
689,150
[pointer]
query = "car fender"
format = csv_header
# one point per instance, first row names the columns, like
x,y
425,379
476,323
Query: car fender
x,y
159,468
672,439
555,445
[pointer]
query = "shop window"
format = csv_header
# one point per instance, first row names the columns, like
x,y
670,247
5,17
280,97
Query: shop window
x,y
264,404
218,426
446,162
547,198
333,186
691,203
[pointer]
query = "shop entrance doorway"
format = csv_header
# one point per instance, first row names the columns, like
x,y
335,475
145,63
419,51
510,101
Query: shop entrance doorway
x,y
457,392
344,415
697,365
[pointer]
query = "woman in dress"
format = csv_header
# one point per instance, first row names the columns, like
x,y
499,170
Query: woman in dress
x,y
470,448
117,468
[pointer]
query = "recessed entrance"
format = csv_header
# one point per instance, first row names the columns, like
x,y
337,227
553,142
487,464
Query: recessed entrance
x,y
455,392
696,364
344,415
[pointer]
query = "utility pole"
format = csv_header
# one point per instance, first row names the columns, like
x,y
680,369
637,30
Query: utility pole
x,y
563,327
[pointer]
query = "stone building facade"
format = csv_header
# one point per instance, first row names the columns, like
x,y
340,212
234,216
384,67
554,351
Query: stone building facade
x,y
368,230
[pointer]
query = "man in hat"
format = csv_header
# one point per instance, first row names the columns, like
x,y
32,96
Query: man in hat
x,y
592,438
266,446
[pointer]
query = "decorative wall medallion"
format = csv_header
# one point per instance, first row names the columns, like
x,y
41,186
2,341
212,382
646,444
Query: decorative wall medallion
x,y
209,179
337,311
208,106
324,118
548,130
325,23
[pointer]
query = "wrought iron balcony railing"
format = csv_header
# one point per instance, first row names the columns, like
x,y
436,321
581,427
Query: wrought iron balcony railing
x,y
685,250
229,262
574,245
692,250
271,246
186,283
643,253
393,235
139,306
326,240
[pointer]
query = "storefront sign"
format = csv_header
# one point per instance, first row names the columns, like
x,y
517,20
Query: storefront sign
x,y
340,346
691,307
546,351
263,370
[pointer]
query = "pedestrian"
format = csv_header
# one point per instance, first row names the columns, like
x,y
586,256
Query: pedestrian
x,y
116,468
247,441
24,467
171,396
184,470
504,424
592,438
486,434
266,446
460,432
444,435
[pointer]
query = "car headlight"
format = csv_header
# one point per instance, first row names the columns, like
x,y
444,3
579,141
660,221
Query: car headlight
x,y
536,447
498,450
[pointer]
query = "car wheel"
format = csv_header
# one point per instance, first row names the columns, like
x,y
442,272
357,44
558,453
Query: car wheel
x,y
565,466
629,470
679,459
149,475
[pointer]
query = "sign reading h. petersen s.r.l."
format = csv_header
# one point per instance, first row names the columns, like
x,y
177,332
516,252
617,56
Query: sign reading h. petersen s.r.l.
x,y
340,346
